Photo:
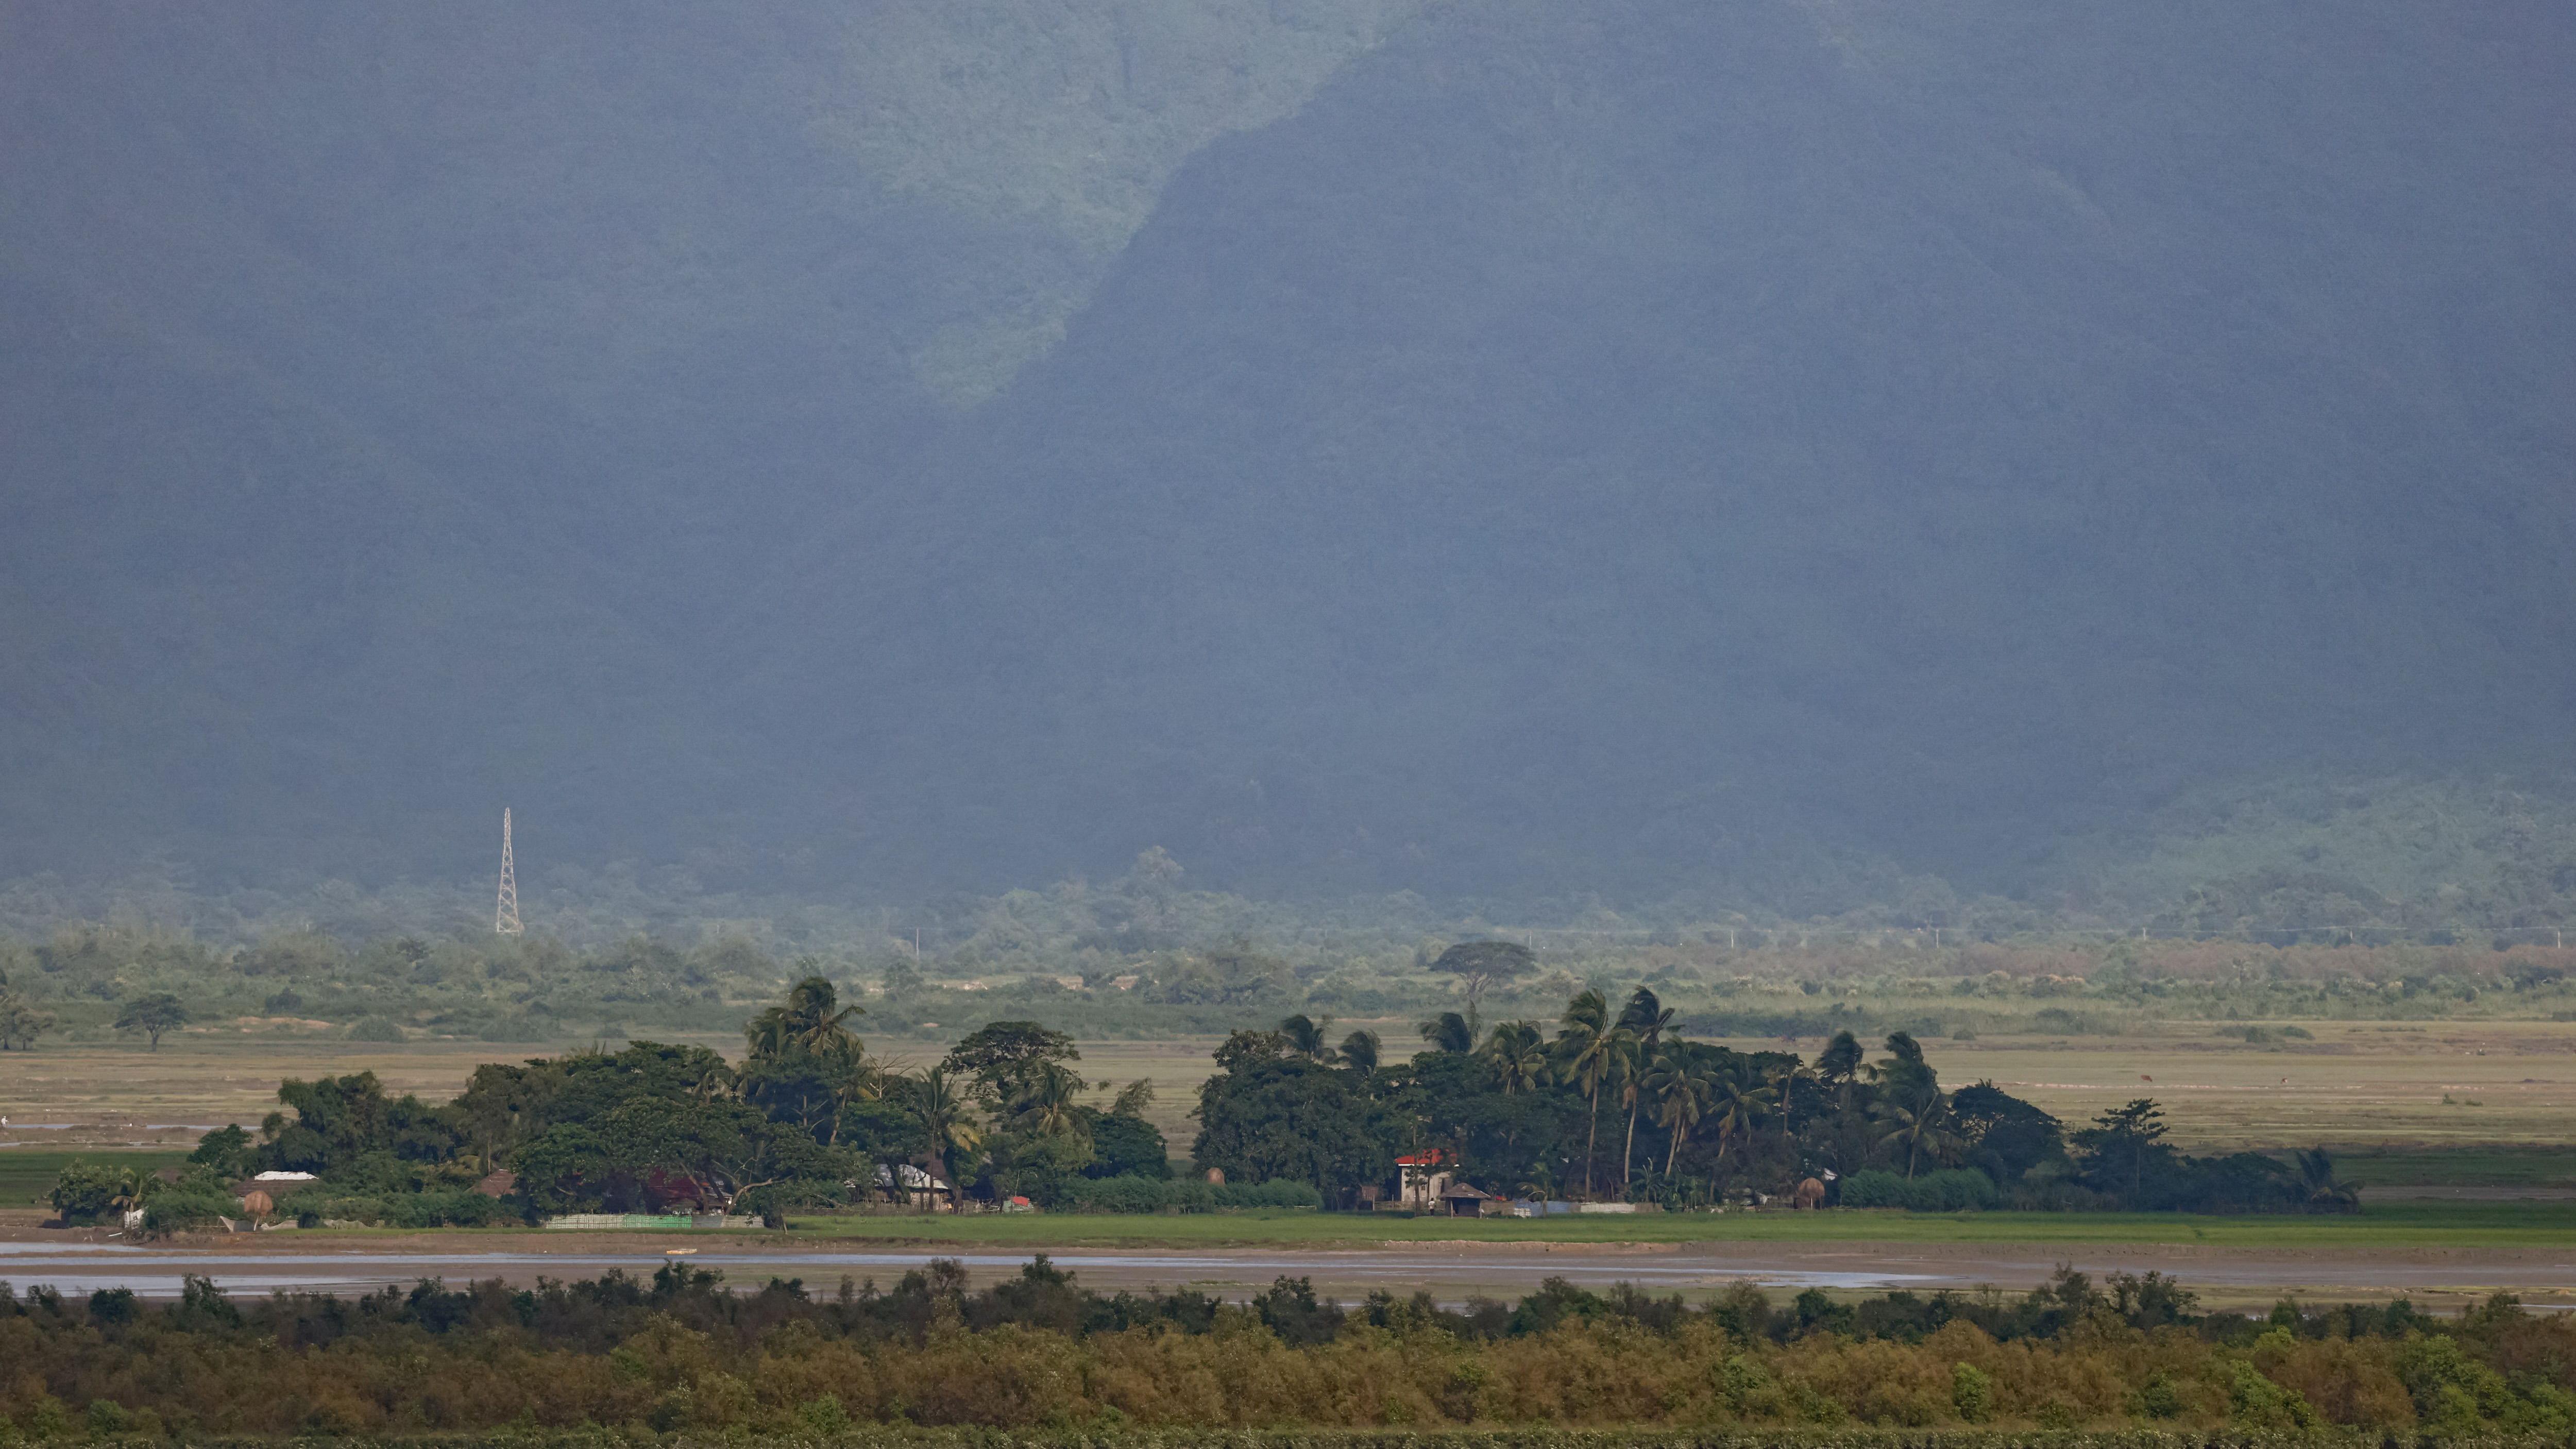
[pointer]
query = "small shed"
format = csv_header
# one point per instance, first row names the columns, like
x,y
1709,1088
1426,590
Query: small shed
x,y
1466,1202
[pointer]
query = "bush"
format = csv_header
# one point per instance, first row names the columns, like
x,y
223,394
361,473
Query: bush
x,y
86,1192
1957,1189
179,1212
1133,1193
375,1028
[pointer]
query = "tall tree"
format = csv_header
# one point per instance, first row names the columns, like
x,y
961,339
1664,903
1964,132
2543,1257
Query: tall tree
x,y
1589,1046
1519,1055
152,1015
947,1122
810,1019
1680,1090
1645,1018
2121,1143
1360,1051
1482,964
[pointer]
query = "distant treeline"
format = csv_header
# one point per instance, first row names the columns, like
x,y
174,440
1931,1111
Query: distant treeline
x,y
680,1354
80,983
1618,1104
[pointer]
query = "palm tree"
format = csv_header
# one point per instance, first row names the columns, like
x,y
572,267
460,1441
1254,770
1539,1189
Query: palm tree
x,y
1589,1045
2323,1190
1520,1057
1922,1125
810,1019
1645,1019
855,1078
1680,1093
1305,1035
1737,1105
1448,1032
1048,1102
1360,1052
1784,1084
947,1122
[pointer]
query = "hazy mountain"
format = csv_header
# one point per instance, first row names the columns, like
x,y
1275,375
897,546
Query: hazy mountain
x,y
1481,447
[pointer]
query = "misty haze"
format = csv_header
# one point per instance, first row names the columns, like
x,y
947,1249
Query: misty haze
x,y
1211,627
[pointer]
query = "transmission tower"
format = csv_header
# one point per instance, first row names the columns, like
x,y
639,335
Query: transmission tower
x,y
505,920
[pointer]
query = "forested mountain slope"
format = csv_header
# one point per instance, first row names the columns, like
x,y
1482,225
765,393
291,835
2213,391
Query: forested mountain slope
x,y
1519,447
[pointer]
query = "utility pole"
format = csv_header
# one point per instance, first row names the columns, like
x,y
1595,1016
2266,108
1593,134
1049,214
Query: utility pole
x,y
505,917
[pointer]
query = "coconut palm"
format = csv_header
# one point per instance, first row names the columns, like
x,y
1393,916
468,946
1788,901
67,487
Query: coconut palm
x,y
810,1019
1360,1052
1305,1036
1588,1045
856,1077
1737,1105
1048,1102
947,1123
1920,1124
1519,1055
1680,1092
2322,1189
1645,1019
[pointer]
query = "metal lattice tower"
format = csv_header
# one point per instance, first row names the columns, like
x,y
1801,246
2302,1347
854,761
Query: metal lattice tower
x,y
505,919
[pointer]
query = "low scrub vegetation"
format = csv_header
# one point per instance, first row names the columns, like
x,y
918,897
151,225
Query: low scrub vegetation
x,y
680,1354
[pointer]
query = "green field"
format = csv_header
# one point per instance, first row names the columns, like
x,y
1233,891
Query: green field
x,y
2396,1225
2461,1167
27,1174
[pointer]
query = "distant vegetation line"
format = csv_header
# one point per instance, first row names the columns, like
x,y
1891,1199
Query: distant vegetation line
x,y
2132,1360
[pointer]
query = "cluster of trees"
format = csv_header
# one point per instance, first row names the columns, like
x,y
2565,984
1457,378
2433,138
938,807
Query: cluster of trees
x,y
680,1353
1621,1104
807,1117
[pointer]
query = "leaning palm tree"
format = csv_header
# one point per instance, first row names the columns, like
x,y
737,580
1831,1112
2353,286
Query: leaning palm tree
x,y
1646,1019
2322,1189
1920,1125
1360,1052
1737,1105
1588,1046
1520,1057
947,1123
1680,1092
1305,1035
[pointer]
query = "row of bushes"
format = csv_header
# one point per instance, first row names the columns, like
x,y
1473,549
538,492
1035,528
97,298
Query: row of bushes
x,y
1957,1189
1131,1193
680,1356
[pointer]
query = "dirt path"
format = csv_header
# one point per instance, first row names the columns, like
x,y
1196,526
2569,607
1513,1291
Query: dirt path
x,y
257,1263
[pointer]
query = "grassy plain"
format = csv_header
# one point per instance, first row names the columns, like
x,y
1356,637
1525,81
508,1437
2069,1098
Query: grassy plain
x,y
2356,1086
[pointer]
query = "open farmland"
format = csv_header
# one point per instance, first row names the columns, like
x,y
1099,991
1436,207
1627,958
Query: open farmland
x,y
2353,1085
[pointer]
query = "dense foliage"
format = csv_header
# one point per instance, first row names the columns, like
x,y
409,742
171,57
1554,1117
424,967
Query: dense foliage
x,y
806,1118
1617,1105
681,1353
1621,1104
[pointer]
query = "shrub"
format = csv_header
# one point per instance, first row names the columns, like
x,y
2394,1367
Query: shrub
x,y
1956,1189
1972,1393
1132,1193
86,1192
179,1212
